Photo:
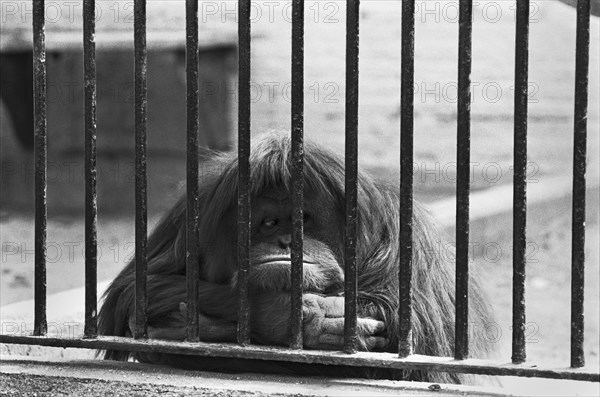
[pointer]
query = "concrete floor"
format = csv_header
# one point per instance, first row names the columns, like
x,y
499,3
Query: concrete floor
x,y
24,376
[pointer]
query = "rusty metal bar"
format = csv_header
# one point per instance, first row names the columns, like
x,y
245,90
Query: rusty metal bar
x,y
351,176
463,156
297,171
582,59
244,210
40,324
406,178
141,206
520,181
91,205
360,359
192,238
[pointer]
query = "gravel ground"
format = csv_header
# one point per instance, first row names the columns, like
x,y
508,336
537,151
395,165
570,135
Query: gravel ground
x,y
37,385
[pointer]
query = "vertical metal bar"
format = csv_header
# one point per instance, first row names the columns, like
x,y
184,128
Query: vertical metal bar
x,y
351,172
91,206
297,171
582,59
520,184
40,326
463,155
244,215
141,208
192,184
406,178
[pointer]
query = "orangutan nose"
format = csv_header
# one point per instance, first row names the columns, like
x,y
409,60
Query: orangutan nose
x,y
285,241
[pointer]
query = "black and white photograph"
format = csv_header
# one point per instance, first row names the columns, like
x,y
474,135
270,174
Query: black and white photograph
x,y
300,198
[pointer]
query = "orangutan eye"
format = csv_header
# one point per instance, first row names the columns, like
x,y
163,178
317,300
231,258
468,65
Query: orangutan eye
x,y
270,222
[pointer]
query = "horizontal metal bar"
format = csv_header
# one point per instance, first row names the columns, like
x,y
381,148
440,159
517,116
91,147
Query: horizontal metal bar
x,y
360,359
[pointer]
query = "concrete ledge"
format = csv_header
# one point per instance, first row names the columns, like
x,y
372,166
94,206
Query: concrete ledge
x,y
27,376
499,200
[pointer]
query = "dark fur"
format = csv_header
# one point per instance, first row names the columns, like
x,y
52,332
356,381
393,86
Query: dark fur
x,y
377,261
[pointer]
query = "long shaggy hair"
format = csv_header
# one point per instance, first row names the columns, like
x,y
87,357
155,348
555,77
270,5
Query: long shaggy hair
x,y
378,256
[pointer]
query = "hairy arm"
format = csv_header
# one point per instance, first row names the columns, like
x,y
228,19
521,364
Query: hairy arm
x,y
323,316
167,314
322,320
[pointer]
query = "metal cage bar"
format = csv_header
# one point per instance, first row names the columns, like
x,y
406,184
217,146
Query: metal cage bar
x,y
141,195
192,214
520,181
91,203
244,214
40,323
351,176
297,172
360,359
463,156
406,177
582,59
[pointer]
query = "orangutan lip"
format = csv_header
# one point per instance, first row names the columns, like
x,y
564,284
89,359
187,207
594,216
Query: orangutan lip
x,y
284,260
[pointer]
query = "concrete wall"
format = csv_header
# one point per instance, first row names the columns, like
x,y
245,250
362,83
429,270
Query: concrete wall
x,y
166,127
